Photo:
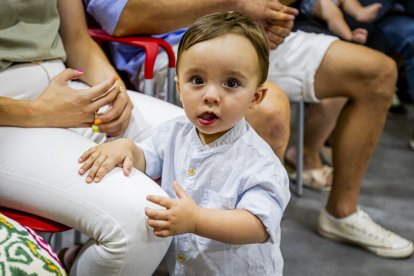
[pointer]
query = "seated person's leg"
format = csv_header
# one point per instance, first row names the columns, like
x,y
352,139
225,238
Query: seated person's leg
x,y
367,79
271,119
39,174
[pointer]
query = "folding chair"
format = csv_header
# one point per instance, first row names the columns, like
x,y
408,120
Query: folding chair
x,y
151,46
300,114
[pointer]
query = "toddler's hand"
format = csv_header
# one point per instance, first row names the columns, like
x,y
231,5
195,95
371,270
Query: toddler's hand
x,y
179,217
101,159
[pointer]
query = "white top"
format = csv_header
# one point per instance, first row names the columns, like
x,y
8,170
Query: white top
x,y
237,171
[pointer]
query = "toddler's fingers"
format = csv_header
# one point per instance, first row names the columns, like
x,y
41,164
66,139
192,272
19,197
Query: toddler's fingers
x,y
95,167
160,200
156,214
179,191
163,233
158,224
86,154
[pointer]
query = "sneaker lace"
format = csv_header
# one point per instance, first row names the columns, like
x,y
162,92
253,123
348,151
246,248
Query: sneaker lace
x,y
368,227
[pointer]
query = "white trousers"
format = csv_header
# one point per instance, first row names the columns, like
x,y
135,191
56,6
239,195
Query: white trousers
x,y
38,174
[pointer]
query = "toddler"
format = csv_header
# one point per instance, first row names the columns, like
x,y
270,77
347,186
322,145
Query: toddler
x,y
228,189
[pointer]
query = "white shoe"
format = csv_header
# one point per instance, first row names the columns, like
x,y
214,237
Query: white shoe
x,y
358,228
411,144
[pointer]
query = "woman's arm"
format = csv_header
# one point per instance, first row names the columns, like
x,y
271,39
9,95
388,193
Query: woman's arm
x,y
59,105
82,51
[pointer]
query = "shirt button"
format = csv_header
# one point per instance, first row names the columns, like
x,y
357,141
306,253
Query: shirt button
x,y
191,171
181,258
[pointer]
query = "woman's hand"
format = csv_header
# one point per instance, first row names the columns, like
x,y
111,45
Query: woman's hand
x,y
101,159
62,106
115,121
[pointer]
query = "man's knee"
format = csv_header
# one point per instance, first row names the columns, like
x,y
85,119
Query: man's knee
x,y
385,78
271,119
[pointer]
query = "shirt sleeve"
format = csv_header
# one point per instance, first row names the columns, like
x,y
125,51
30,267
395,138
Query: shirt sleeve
x,y
153,160
106,13
266,194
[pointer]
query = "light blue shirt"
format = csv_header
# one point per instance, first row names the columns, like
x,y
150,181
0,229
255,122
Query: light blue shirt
x,y
126,58
237,171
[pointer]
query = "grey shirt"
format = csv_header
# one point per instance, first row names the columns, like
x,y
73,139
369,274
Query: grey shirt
x,y
29,32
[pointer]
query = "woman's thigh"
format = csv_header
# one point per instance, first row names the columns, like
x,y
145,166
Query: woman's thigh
x,y
38,174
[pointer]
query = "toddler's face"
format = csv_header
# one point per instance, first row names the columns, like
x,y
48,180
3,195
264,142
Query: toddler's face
x,y
218,84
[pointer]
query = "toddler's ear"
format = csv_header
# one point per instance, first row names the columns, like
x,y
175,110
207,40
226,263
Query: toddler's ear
x,y
258,96
177,84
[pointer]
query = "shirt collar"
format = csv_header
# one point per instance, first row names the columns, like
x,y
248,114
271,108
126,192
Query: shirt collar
x,y
228,138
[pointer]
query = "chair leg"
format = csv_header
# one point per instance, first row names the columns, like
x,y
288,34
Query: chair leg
x,y
299,146
171,86
149,87
77,237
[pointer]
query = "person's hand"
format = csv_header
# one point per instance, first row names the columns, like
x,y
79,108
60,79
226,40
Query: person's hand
x,y
179,217
277,31
266,10
62,106
115,121
101,159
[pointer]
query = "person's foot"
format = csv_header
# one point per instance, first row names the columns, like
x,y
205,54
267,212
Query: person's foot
x,y
397,108
360,36
368,13
411,143
315,175
359,229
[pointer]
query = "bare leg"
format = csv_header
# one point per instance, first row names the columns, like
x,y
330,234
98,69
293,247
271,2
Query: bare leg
x,y
332,15
271,119
320,121
361,13
367,78
360,35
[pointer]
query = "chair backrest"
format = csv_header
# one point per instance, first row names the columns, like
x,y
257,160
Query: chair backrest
x,y
151,46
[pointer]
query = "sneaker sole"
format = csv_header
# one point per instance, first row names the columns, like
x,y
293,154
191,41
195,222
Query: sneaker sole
x,y
383,252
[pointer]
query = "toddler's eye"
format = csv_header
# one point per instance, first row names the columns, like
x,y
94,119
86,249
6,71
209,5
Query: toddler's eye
x,y
232,83
197,80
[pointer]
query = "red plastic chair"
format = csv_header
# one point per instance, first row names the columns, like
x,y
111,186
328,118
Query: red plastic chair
x,y
151,46
39,224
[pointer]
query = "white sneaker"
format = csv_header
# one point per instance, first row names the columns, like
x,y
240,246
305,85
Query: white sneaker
x,y
411,144
359,229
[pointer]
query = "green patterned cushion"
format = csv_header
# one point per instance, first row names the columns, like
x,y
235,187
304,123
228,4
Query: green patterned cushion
x,y
23,252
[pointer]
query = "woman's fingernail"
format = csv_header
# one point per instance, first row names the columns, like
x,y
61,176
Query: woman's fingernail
x,y
108,136
98,121
95,128
81,171
79,70
89,179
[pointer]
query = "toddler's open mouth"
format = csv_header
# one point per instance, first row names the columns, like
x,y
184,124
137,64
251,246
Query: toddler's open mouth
x,y
207,118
